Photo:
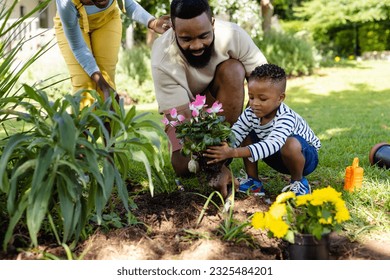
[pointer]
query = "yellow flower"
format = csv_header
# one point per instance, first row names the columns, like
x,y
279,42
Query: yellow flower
x,y
284,197
337,59
278,227
277,210
342,213
322,209
328,194
325,221
258,220
303,199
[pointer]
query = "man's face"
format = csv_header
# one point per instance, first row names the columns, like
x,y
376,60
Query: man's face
x,y
195,38
101,4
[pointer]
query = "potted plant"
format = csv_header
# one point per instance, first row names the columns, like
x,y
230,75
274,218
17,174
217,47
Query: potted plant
x,y
304,221
206,127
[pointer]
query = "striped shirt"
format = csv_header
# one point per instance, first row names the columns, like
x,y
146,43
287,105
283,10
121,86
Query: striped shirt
x,y
272,135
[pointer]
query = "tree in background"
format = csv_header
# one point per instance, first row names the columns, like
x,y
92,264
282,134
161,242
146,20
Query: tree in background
x,y
328,19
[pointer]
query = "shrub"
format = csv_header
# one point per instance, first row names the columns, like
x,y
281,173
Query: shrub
x,y
288,51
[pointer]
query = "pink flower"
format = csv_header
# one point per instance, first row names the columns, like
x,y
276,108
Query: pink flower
x,y
180,118
174,123
216,108
195,113
199,102
165,121
173,113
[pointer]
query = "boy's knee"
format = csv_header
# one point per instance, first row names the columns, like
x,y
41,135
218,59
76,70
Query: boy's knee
x,y
291,147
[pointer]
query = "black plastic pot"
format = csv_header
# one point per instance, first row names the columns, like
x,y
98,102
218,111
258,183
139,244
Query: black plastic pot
x,y
380,155
307,247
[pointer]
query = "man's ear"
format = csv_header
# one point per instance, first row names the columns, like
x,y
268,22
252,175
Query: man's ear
x,y
212,21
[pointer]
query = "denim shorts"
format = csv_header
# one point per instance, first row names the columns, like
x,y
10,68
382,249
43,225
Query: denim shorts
x,y
275,161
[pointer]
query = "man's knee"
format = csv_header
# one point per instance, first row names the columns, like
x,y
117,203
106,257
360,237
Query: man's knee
x,y
229,71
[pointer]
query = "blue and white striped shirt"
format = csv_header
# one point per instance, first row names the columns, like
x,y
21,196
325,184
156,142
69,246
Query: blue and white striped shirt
x,y
272,135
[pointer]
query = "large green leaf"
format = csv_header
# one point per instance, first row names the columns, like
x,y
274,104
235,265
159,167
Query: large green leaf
x,y
41,188
12,144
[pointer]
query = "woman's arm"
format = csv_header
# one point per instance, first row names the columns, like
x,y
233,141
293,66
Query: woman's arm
x,y
136,12
73,33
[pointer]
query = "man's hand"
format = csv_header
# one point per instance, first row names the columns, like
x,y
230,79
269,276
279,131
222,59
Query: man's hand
x,y
219,153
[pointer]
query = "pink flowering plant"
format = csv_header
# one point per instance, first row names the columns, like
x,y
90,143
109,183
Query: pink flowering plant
x,y
204,128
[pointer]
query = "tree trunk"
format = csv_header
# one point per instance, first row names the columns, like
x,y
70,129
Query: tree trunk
x,y
267,11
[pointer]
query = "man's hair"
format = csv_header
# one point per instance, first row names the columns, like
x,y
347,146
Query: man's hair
x,y
187,9
270,72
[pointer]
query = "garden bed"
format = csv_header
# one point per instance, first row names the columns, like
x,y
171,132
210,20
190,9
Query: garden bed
x,y
168,231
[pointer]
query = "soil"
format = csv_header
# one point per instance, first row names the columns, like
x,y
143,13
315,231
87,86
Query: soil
x,y
167,230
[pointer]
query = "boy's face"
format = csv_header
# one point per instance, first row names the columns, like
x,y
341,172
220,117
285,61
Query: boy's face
x,y
265,98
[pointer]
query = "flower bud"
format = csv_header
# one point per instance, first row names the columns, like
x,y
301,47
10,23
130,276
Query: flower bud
x,y
193,166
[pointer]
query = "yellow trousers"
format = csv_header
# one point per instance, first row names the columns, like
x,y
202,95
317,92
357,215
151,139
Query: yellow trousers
x,y
103,39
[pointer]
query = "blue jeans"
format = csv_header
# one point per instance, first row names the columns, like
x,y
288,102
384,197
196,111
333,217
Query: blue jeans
x,y
275,161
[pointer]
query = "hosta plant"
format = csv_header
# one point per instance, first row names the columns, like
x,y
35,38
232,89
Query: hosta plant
x,y
66,163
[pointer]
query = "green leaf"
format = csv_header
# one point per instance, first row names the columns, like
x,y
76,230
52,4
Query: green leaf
x,y
12,144
67,132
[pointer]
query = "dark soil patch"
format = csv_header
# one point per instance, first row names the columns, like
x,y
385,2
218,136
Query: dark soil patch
x,y
168,231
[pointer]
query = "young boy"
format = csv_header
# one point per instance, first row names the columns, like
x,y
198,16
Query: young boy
x,y
280,137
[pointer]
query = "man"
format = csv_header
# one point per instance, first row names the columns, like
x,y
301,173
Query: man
x,y
201,54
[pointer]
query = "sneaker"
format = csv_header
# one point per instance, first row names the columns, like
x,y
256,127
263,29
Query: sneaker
x,y
298,187
251,185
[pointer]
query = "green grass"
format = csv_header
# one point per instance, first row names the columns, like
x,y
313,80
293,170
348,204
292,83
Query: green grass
x,y
348,108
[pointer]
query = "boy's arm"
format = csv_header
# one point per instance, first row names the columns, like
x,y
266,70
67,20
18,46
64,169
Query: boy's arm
x,y
224,151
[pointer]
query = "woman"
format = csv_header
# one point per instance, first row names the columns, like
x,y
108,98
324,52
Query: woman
x,y
89,35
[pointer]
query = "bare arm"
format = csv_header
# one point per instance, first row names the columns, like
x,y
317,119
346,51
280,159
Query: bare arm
x,y
222,152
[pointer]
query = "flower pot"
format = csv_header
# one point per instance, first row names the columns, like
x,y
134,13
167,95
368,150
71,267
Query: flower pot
x,y
214,176
380,155
307,247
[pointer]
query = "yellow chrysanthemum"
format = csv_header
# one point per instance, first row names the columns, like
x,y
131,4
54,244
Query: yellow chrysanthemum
x,y
303,199
326,221
258,220
277,210
284,197
320,196
342,213
278,227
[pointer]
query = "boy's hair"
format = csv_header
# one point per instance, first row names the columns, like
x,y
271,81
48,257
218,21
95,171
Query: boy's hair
x,y
187,9
270,72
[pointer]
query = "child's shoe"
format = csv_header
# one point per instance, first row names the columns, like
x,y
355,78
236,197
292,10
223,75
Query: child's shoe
x,y
298,187
251,185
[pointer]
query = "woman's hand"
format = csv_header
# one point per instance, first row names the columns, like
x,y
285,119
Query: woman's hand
x,y
161,24
102,84
219,153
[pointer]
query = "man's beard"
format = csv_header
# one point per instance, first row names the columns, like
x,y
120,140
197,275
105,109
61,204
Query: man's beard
x,y
198,61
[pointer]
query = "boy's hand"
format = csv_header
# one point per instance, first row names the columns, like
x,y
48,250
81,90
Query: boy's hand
x,y
219,153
